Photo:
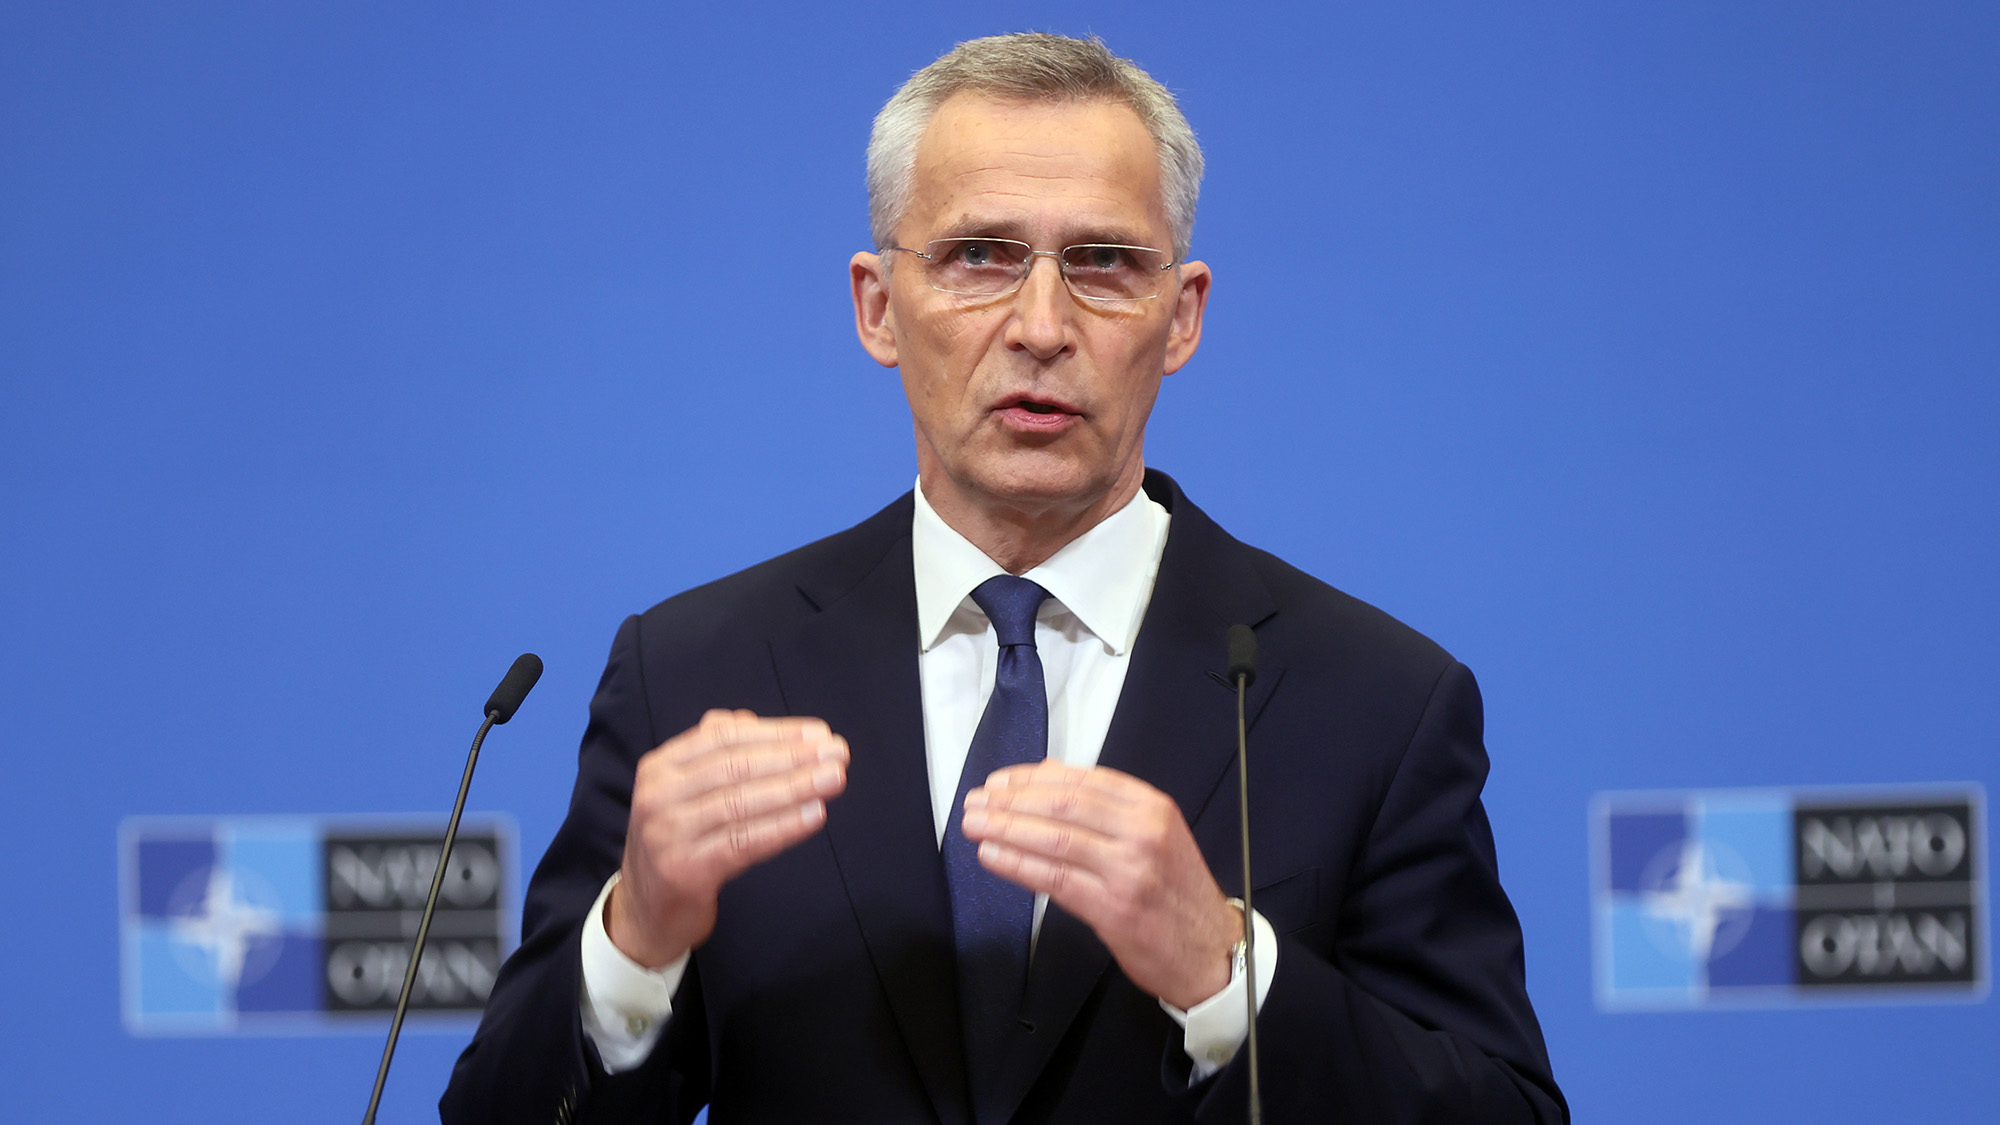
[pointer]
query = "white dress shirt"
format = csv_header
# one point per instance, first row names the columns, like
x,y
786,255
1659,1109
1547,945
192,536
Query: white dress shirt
x,y
1099,585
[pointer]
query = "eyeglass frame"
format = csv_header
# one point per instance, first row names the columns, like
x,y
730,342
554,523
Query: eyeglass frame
x,y
1062,270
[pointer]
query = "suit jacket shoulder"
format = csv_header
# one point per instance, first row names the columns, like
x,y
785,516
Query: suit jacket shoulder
x,y
690,650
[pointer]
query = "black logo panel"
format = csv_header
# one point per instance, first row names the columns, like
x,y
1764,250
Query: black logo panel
x,y
1887,893
374,887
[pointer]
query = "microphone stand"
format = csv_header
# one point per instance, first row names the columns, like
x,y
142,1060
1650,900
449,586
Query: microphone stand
x,y
424,927
1249,927
1242,643
500,706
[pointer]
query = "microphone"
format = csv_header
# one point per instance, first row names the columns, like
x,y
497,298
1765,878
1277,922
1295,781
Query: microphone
x,y
500,706
1242,656
514,687
1242,645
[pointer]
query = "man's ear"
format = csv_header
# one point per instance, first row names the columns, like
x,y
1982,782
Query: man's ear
x,y
873,322
1190,301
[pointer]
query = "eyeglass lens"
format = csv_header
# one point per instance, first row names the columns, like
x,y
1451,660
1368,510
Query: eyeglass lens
x,y
991,266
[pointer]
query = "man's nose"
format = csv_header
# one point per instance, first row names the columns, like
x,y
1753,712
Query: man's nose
x,y
1042,308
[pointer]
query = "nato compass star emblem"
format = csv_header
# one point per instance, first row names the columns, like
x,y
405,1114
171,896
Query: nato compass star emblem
x,y
235,932
1706,911
220,923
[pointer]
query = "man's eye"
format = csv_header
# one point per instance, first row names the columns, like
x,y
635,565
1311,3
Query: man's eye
x,y
1101,259
974,253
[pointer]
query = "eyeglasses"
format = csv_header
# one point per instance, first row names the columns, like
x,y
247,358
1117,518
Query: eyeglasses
x,y
994,267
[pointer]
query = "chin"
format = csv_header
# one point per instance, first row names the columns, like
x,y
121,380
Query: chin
x,y
1044,485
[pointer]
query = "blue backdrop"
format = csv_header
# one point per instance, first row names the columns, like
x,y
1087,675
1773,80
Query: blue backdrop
x,y
1644,355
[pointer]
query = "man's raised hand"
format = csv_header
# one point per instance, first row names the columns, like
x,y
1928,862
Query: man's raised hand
x,y
1117,853
708,803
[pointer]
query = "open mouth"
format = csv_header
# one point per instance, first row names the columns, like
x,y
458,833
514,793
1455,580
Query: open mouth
x,y
1032,416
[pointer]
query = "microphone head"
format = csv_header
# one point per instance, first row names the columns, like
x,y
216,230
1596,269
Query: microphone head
x,y
1242,655
506,698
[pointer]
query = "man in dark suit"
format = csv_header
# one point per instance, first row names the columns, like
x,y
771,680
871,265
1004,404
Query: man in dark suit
x,y
929,820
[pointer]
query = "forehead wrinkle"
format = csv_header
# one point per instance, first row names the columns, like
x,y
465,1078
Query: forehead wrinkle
x,y
1066,166
1111,189
1087,216
1013,171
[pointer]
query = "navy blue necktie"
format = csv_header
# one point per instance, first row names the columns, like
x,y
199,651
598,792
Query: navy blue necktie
x,y
991,918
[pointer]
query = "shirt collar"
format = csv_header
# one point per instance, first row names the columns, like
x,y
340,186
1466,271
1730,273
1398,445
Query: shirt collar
x,y
1104,576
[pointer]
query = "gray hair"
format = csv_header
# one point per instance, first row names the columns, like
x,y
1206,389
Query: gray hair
x,y
1030,66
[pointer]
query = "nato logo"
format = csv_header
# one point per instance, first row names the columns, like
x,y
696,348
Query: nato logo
x,y
1775,897
266,924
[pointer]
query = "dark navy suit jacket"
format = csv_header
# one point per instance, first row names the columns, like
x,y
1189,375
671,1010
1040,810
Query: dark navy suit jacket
x,y
827,993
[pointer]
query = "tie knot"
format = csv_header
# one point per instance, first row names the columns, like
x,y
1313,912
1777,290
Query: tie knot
x,y
1010,603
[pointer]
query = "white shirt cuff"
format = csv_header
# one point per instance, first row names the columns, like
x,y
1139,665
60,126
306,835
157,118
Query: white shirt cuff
x,y
625,1004
1214,1029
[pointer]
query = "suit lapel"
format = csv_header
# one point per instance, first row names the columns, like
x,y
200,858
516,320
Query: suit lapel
x,y
854,664
1174,727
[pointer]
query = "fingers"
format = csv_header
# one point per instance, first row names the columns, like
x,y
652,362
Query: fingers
x,y
714,809
737,844
1062,830
1100,800
727,788
1065,882
729,792
735,765
721,732
750,764
1094,839
1051,836
1116,853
